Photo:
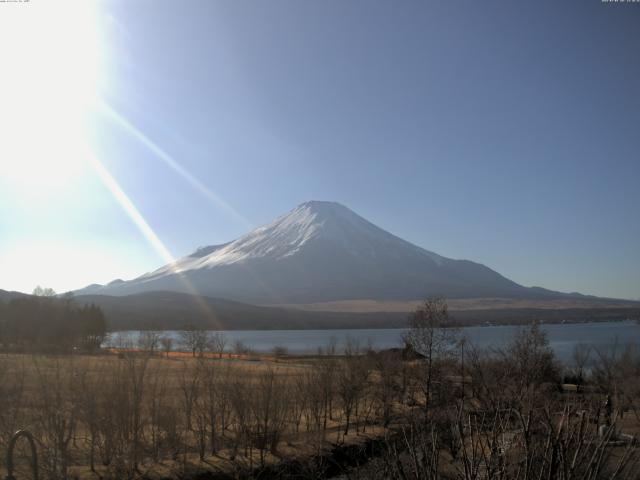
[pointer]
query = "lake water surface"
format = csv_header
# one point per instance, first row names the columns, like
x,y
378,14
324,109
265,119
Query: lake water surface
x,y
562,337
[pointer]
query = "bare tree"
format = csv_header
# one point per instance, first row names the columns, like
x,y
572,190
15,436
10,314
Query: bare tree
x,y
432,335
531,362
268,412
279,351
58,412
240,348
91,387
352,378
196,340
136,376
219,342
44,292
167,344
315,388
580,356
387,388
212,401
157,403
122,341
190,388
149,341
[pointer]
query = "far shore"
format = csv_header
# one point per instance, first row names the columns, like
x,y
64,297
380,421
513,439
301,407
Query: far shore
x,y
403,325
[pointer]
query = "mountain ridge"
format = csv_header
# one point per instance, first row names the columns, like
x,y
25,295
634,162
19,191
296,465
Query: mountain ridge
x,y
161,310
322,251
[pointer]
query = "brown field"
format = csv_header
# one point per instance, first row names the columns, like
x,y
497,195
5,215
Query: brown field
x,y
373,306
137,414
157,415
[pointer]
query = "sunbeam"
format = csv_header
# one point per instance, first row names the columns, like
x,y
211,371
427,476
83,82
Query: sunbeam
x,y
107,110
131,210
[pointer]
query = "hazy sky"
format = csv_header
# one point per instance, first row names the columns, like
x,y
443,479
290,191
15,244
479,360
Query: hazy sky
x,y
501,132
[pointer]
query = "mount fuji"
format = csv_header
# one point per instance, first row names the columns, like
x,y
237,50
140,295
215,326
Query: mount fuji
x,y
322,252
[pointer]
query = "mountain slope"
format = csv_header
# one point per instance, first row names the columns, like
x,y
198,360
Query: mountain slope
x,y
322,251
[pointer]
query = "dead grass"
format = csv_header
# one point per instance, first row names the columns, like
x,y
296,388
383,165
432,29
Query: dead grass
x,y
406,306
39,373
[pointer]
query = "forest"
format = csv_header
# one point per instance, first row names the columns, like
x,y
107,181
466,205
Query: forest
x,y
46,323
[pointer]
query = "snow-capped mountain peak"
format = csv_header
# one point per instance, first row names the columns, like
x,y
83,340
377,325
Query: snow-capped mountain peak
x,y
320,251
289,233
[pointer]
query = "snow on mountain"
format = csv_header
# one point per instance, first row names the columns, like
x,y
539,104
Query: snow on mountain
x,y
320,251
288,234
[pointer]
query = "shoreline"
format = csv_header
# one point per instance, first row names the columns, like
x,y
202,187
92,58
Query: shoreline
x,y
331,328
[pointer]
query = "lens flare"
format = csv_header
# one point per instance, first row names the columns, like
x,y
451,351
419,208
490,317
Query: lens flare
x,y
111,113
130,209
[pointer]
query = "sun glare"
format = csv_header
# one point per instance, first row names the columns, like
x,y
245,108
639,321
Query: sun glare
x,y
49,87
49,77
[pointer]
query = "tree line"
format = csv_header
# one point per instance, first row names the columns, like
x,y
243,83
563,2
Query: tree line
x,y
50,324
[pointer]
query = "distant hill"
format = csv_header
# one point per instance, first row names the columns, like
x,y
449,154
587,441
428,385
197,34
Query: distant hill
x,y
6,295
322,252
175,310
172,310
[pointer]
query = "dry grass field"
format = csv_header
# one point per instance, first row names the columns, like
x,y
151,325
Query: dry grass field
x,y
132,414
379,415
463,304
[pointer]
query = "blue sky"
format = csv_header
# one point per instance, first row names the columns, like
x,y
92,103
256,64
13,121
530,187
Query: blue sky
x,y
501,132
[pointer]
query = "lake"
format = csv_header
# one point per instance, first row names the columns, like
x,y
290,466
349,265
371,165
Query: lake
x,y
562,337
